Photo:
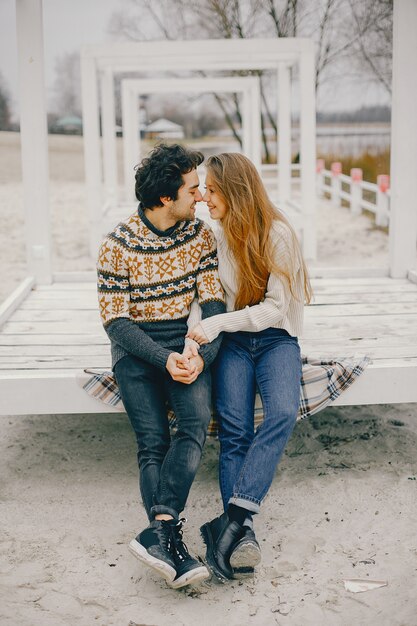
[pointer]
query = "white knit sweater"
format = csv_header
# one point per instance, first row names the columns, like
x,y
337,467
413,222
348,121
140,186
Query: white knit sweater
x,y
279,309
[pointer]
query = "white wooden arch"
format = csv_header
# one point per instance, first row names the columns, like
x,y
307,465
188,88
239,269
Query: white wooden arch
x,y
132,89
100,64
50,332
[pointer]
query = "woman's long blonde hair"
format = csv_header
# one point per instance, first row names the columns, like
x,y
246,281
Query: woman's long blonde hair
x,y
247,225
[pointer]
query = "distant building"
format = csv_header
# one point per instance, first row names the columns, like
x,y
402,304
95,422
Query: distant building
x,y
163,129
71,125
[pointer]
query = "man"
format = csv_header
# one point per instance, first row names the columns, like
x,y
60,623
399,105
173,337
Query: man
x,y
150,268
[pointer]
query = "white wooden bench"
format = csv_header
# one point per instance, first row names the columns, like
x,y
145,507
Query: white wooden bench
x,y
50,330
49,334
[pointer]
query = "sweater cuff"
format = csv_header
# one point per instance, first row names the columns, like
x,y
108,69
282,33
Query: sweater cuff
x,y
211,327
159,358
209,351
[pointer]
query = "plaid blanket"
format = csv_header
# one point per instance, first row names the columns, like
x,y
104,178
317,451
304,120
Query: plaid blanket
x,y
322,382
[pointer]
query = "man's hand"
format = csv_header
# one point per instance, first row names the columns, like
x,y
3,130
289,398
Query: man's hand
x,y
190,350
184,369
198,334
198,362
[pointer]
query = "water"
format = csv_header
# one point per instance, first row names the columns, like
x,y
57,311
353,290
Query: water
x,y
343,140
352,140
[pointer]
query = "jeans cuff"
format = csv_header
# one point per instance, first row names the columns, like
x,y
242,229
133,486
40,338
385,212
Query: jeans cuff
x,y
158,509
244,503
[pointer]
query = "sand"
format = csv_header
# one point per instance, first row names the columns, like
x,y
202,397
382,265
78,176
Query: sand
x,y
343,504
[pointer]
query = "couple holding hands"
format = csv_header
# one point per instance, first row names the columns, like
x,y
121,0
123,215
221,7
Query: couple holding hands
x,y
197,319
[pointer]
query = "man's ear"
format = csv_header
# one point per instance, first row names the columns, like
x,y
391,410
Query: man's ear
x,y
166,200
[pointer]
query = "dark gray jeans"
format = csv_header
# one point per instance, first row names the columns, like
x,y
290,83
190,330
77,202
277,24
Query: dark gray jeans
x,y
167,465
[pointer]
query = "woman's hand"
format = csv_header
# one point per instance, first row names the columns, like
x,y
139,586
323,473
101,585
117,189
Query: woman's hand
x,y
198,334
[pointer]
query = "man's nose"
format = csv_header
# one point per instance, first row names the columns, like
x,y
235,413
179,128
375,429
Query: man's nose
x,y
198,196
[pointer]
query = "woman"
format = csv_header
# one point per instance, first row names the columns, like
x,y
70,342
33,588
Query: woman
x,y
266,285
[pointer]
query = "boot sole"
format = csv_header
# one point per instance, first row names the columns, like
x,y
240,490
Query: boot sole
x,y
211,562
164,569
243,572
191,578
245,557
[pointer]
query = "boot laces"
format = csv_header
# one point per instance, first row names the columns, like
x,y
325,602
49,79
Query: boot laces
x,y
180,547
165,535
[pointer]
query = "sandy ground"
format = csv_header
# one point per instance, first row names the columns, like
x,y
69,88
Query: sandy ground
x,y
343,505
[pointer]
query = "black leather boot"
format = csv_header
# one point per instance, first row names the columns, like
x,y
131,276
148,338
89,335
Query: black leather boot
x,y
246,554
221,536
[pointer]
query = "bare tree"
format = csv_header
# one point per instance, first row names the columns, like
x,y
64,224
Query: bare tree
x,y
340,28
67,85
285,18
221,19
373,49
4,106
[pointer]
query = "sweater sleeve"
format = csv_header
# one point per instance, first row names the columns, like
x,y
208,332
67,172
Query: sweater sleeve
x,y
193,319
209,350
210,291
113,285
209,288
135,341
114,297
268,312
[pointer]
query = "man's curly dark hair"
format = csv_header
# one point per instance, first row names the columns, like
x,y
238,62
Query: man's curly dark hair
x,y
160,174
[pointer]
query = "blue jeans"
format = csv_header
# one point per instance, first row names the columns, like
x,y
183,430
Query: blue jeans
x,y
167,466
270,362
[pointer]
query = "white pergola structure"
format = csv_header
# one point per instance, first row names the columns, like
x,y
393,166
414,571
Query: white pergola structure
x,y
132,89
100,64
50,328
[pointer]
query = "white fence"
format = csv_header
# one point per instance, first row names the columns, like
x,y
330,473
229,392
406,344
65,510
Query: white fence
x,y
358,193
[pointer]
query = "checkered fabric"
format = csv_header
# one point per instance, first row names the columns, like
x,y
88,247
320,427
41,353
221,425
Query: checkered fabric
x,y
322,382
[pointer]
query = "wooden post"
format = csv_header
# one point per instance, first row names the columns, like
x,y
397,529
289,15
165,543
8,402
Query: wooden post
x,y
138,135
403,216
255,123
246,125
336,170
382,200
135,142
34,139
109,136
130,138
284,133
320,167
308,150
356,176
92,148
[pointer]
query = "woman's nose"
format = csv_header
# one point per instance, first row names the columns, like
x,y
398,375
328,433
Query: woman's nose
x,y
206,197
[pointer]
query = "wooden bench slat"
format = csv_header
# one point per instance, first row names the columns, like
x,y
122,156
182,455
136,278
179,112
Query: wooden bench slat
x,y
56,332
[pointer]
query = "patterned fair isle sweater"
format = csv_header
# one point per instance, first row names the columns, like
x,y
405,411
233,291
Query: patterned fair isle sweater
x,y
147,280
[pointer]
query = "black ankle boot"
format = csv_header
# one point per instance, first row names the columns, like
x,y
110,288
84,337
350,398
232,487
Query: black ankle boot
x,y
221,536
246,554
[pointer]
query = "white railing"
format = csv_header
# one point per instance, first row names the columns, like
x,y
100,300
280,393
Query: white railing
x,y
358,193
273,168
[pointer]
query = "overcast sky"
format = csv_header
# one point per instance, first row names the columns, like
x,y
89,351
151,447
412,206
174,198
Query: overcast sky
x,y
68,24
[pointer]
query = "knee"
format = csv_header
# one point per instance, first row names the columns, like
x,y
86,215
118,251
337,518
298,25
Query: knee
x,y
235,437
196,434
150,449
280,418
